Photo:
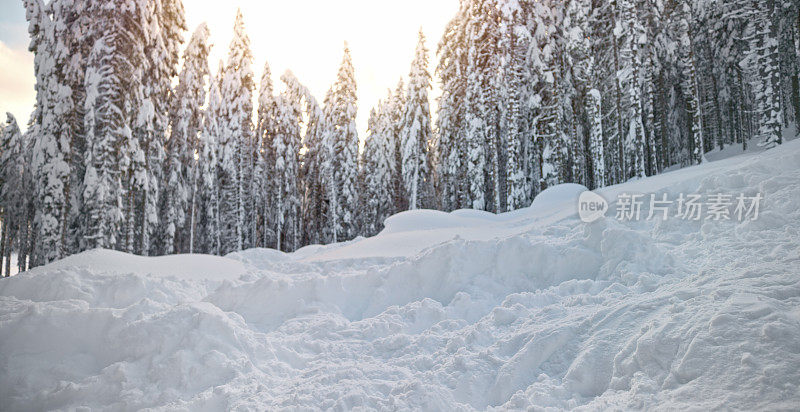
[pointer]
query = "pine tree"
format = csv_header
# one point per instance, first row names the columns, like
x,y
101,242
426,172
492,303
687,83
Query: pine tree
x,y
74,32
12,190
480,101
451,113
690,83
186,119
583,65
548,98
162,25
310,184
378,169
286,147
106,125
236,139
514,45
631,35
51,150
208,219
341,139
266,131
416,134
314,206
764,58
396,108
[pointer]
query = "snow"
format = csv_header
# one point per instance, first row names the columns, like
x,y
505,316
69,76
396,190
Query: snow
x,y
558,195
467,310
189,267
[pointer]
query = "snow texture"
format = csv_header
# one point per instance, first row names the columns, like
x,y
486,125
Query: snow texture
x,y
461,311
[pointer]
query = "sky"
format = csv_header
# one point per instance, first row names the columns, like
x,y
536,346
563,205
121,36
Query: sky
x,y
16,63
304,36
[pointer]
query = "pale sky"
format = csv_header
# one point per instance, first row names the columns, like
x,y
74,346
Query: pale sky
x,y
304,36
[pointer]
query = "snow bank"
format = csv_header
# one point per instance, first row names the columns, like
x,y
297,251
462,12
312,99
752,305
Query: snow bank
x,y
466,310
193,267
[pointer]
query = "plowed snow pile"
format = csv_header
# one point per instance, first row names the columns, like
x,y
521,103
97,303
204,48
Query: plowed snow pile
x,y
441,311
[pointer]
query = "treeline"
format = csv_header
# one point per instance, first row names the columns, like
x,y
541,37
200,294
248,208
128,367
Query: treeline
x,y
598,92
130,147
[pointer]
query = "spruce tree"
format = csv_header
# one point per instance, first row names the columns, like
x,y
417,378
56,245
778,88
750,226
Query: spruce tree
x,y
286,148
12,190
342,143
106,125
208,218
377,168
236,139
186,119
51,151
416,134
451,111
266,130
514,45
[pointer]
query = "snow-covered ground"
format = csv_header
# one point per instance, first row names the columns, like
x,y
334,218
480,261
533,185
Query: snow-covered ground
x,y
462,311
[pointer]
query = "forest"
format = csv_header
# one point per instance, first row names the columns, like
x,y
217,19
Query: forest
x,y
135,145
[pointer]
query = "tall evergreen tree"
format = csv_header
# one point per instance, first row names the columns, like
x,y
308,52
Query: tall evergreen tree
x,y
106,125
285,172
341,139
266,130
416,135
514,43
236,139
186,119
162,24
13,199
687,59
208,217
52,140
450,125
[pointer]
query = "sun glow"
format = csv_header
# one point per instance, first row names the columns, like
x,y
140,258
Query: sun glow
x,y
307,37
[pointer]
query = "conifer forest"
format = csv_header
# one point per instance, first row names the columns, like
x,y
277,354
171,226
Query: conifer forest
x,y
134,144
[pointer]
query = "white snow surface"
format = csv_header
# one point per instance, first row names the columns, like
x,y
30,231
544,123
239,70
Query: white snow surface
x,y
458,311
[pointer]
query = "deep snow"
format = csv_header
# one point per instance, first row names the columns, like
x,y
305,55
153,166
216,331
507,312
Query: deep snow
x,y
465,310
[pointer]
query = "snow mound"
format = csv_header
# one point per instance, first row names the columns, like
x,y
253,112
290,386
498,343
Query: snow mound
x,y
197,267
566,193
470,311
423,219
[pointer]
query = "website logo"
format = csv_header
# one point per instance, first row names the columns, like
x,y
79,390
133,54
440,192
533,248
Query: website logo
x,y
591,206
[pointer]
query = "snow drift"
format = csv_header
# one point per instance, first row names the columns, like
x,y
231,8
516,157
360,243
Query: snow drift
x,y
464,311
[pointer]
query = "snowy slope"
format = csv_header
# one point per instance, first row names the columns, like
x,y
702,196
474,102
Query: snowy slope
x,y
440,311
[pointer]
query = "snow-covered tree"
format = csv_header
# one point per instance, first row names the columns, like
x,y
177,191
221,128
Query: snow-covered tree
x,y
13,198
106,125
514,43
764,61
266,129
395,109
162,24
690,81
632,36
481,117
51,169
285,171
341,143
236,138
186,120
416,135
208,218
378,169
451,129
310,178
